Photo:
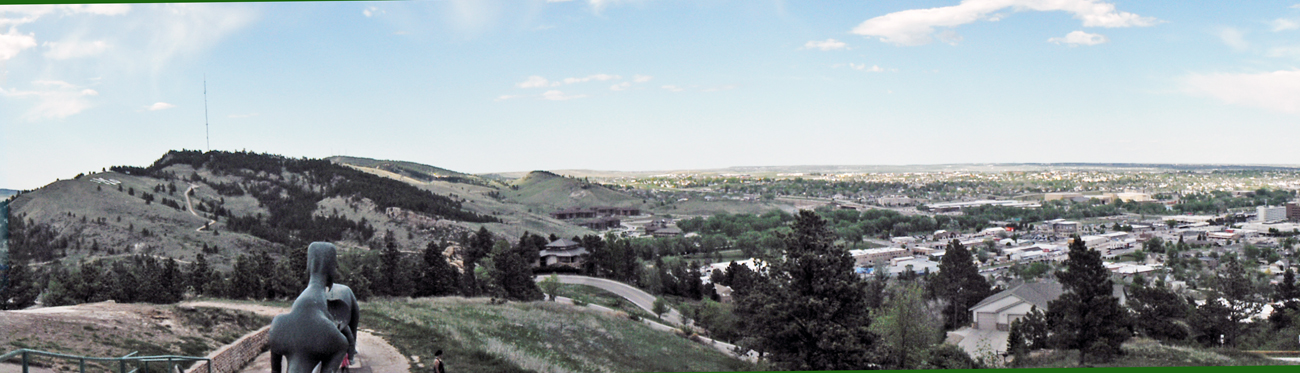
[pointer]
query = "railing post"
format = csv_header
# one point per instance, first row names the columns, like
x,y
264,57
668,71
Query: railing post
x,y
121,366
83,365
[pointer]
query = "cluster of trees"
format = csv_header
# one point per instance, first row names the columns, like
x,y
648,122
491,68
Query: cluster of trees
x,y
492,268
1222,201
806,309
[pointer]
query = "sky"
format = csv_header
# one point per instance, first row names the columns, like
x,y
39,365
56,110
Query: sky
x,y
638,85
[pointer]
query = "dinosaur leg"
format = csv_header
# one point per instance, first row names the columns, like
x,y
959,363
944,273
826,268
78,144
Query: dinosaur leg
x,y
276,359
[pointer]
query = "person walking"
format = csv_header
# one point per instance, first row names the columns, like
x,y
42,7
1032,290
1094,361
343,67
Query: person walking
x,y
437,363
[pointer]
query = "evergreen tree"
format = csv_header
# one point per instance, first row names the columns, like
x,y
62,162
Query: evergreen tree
x,y
1016,344
1157,310
17,288
1087,317
438,278
1286,296
809,310
960,284
514,273
1235,287
173,282
200,276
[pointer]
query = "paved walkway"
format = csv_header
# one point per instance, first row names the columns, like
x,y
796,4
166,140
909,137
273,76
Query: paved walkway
x,y
638,297
375,354
645,301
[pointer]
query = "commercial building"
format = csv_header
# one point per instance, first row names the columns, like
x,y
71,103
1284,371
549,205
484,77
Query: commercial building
x,y
1269,214
869,257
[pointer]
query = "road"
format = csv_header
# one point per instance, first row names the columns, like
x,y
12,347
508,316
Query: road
x,y
645,301
640,298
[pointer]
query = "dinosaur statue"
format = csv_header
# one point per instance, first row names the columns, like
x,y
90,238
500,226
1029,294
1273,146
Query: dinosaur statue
x,y
343,309
309,335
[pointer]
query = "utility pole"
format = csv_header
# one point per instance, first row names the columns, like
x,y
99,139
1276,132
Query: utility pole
x,y
207,134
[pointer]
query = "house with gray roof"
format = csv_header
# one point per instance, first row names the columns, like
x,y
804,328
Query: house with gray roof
x,y
993,315
563,252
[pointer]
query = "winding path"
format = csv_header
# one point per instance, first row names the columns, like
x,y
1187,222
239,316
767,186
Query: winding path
x,y
190,205
645,301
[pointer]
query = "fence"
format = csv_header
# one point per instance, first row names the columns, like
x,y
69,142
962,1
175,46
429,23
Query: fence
x,y
140,363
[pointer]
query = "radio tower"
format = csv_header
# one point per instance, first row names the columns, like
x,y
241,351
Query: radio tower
x,y
207,135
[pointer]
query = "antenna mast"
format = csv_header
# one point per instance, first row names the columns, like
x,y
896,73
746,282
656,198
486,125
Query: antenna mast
x,y
207,134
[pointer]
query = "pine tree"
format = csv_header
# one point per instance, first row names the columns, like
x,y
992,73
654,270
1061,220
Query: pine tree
x,y
1016,344
437,277
1087,316
960,284
200,276
1157,310
17,287
809,310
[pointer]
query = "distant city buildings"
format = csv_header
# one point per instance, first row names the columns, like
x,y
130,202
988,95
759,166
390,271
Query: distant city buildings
x,y
1270,214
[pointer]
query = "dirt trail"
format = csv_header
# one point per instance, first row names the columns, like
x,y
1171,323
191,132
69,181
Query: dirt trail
x,y
376,355
190,205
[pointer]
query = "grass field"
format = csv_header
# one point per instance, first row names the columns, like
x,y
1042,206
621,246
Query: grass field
x,y
477,336
1150,353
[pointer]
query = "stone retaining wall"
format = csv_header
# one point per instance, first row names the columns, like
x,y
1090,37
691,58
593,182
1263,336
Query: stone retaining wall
x,y
232,357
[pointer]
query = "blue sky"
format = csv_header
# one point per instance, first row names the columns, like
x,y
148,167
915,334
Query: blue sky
x,y
488,86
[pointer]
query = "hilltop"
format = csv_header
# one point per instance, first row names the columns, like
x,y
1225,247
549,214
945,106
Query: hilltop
x,y
243,203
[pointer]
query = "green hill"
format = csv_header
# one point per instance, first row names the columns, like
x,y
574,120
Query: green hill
x,y
477,336
548,191
260,202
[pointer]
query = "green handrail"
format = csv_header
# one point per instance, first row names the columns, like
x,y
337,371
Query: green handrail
x,y
26,354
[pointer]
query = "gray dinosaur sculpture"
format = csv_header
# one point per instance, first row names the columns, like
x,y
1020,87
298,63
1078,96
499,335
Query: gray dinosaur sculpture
x,y
309,334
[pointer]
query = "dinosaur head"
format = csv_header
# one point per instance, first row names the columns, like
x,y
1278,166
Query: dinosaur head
x,y
322,262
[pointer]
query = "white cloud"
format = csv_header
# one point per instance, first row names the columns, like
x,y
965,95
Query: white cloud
x,y
1233,38
597,77
1282,24
555,95
1292,51
827,45
237,116
1080,38
672,88
12,42
863,67
160,106
620,86
915,26
372,11
1278,90
535,82
73,49
55,99
641,78
722,88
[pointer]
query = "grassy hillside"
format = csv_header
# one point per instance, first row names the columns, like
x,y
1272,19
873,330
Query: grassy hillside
x,y
260,202
489,199
540,337
1150,353
549,192
417,171
109,329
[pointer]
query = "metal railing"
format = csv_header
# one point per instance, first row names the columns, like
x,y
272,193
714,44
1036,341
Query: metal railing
x,y
139,363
